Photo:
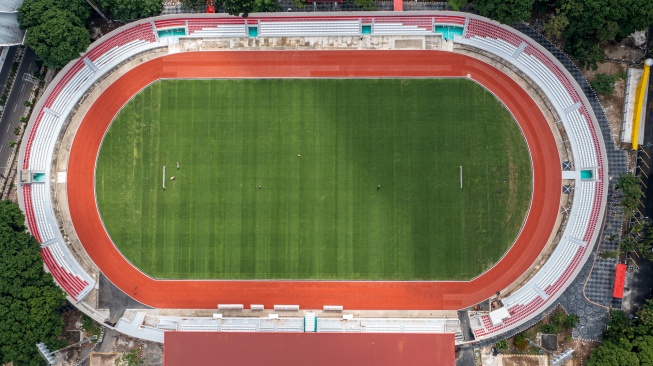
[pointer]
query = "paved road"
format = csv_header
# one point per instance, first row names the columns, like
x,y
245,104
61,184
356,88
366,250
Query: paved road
x,y
647,166
15,108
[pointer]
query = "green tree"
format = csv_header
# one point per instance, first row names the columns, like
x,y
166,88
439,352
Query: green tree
x,y
58,39
505,11
603,83
11,217
237,7
549,329
29,299
629,185
595,22
365,4
520,341
626,342
619,328
131,358
262,6
637,15
570,321
31,12
586,52
556,25
643,347
131,9
608,32
456,5
196,5
299,3
244,7
645,319
502,344
609,354
558,317
628,243
610,254
91,327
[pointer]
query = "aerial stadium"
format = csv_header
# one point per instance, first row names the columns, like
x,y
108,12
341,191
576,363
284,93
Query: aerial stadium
x,y
319,173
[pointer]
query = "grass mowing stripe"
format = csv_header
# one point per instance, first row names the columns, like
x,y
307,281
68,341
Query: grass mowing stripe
x,y
318,215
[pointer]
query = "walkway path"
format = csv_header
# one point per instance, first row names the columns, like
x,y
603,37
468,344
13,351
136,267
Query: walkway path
x,y
598,274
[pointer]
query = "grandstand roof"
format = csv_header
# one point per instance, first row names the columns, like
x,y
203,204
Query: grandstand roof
x,y
10,33
10,6
316,349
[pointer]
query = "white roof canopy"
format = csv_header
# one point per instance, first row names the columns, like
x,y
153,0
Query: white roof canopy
x,y
10,6
497,316
10,32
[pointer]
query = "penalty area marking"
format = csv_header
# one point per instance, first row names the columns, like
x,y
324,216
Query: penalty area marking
x,y
461,177
164,177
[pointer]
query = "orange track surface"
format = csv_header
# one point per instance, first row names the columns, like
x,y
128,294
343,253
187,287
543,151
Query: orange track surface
x,y
382,295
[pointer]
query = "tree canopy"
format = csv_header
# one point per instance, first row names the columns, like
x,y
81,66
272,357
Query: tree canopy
x,y
626,342
505,11
592,23
556,25
196,5
31,12
629,186
456,5
603,83
131,9
131,358
58,38
29,298
244,7
639,237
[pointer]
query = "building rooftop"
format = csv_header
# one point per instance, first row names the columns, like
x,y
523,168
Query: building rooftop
x,y
10,33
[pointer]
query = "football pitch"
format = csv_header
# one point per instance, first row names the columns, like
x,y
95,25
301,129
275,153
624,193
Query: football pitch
x,y
326,179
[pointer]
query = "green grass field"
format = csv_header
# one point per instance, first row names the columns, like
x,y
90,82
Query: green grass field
x,y
319,215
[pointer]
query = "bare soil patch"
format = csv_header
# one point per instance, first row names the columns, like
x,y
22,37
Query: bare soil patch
x,y
104,359
613,104
513,360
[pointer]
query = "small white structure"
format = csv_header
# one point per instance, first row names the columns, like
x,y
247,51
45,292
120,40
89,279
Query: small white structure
x,y
332,308
497,316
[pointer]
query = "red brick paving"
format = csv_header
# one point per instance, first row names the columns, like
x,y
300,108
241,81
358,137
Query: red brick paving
x,y
315,349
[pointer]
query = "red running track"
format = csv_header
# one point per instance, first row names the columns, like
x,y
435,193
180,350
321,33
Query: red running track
x,y
381,295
